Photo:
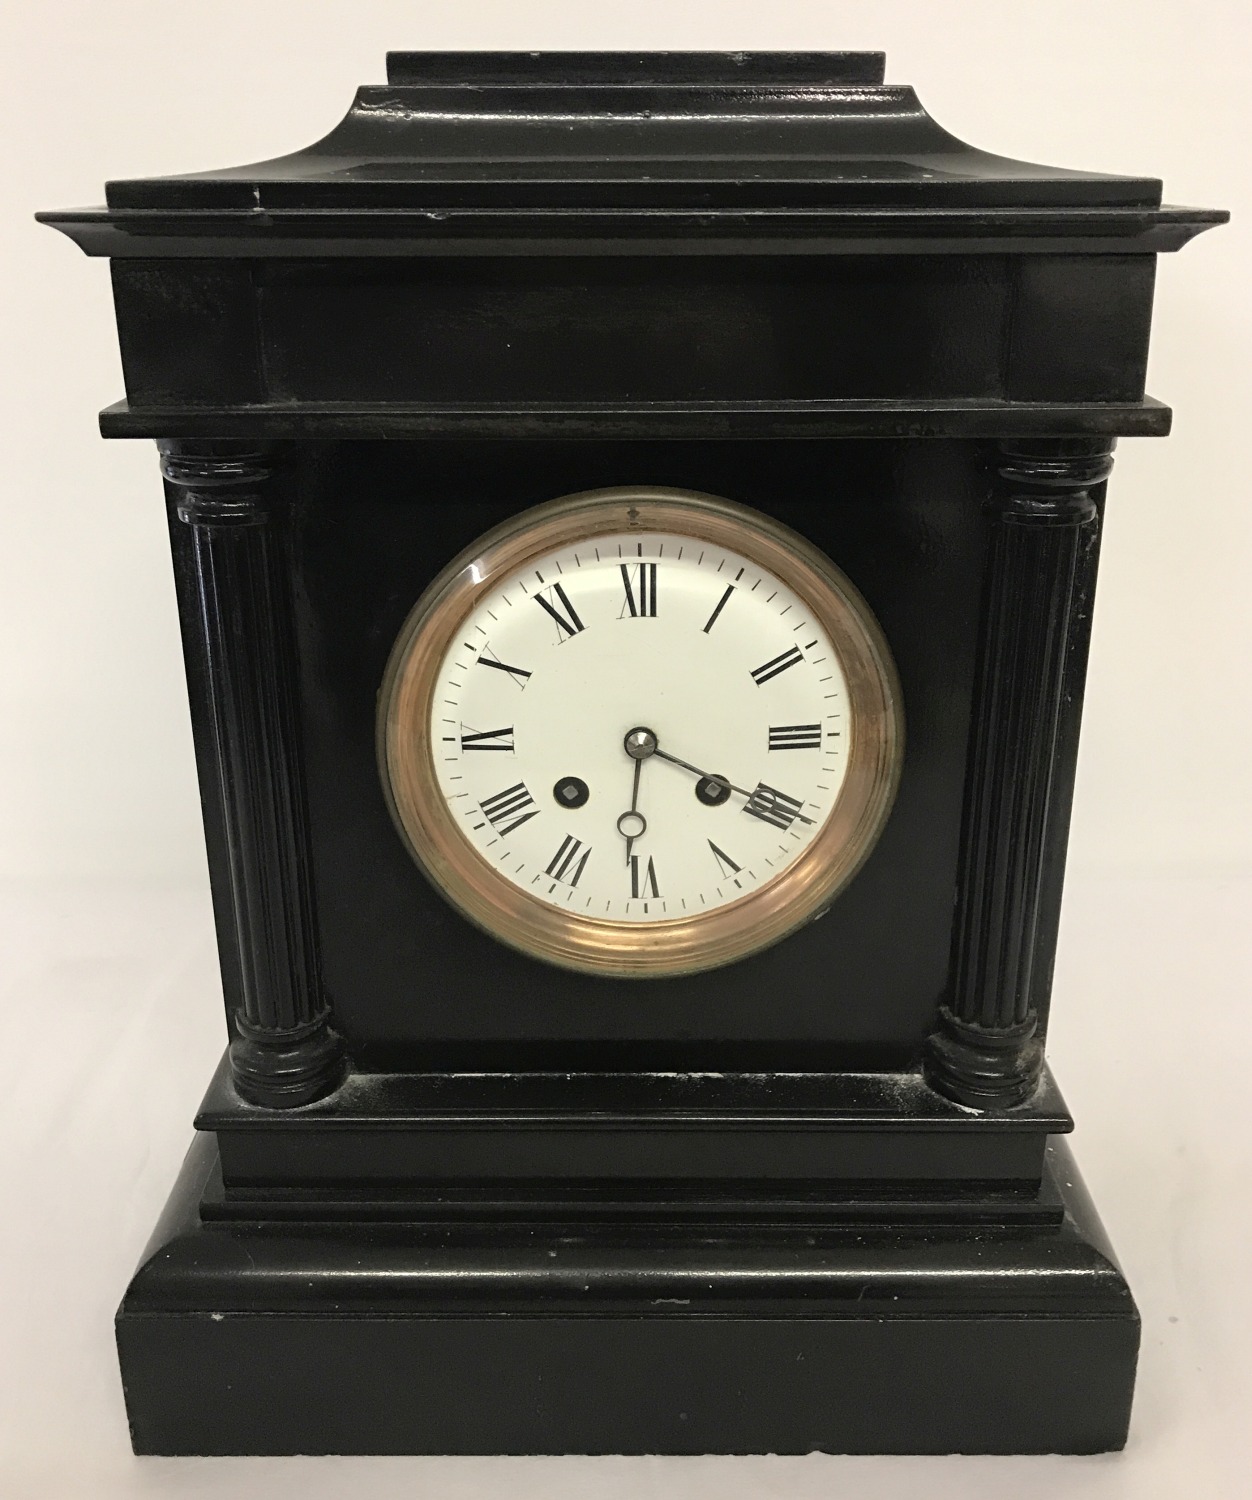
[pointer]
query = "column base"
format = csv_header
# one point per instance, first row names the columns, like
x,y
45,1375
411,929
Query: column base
x,y
983,1067
287,1068
510,1336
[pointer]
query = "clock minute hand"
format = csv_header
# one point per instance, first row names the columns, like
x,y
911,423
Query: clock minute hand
x,y
634,809
639,744
709,776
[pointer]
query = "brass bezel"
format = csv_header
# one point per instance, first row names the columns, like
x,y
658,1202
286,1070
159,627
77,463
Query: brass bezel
x,y
671,946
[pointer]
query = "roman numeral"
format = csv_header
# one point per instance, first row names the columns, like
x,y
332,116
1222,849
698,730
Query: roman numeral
x,y
795,737
507,809
488,658
556,601
488,739
779,664
563,867
642,883
643,576
726,867
773,806
721,605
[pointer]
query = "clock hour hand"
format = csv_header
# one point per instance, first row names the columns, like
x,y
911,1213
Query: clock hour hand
x,y
709,776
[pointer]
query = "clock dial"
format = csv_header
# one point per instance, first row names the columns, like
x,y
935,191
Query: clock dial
x,y
640,732
732,688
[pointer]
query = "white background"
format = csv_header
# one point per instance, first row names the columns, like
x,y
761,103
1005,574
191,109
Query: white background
x,y
107,977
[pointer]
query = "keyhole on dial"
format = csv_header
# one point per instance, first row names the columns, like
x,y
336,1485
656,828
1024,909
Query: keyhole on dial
x,y
712,791
571,791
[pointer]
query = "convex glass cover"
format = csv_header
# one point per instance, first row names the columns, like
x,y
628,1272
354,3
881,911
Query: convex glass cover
x,y
640,731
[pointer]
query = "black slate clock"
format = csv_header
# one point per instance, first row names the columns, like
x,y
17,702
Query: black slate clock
x,y
635,521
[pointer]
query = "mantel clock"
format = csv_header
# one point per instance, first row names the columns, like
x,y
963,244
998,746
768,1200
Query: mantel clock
x,y
635,522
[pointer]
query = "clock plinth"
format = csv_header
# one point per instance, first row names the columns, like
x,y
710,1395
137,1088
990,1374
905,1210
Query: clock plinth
x,y
580,1137
484,1169
727,1324
614,1265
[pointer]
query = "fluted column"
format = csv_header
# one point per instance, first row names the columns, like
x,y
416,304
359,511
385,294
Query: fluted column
x,y
984,1052
284,1052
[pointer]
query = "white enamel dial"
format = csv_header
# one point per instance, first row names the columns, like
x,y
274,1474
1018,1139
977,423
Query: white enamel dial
x,y
710,656
640,732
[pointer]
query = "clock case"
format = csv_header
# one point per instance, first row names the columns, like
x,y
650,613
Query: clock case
x,y
442,1197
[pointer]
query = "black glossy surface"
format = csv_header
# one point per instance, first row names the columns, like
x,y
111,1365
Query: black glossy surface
x,y
547,1212
556,134
408,1132
524,1335
542,334
1045,536
389,233
632,69
774,1208
239,632
411,982
488,248
794,151
573,421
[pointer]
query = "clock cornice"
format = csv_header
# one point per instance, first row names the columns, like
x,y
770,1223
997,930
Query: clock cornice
x,y
603,153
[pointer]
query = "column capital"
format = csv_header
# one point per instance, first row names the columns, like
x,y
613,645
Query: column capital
x,y
217,483
1050,481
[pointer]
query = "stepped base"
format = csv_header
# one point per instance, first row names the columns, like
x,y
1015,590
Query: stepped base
x,y
542,1332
